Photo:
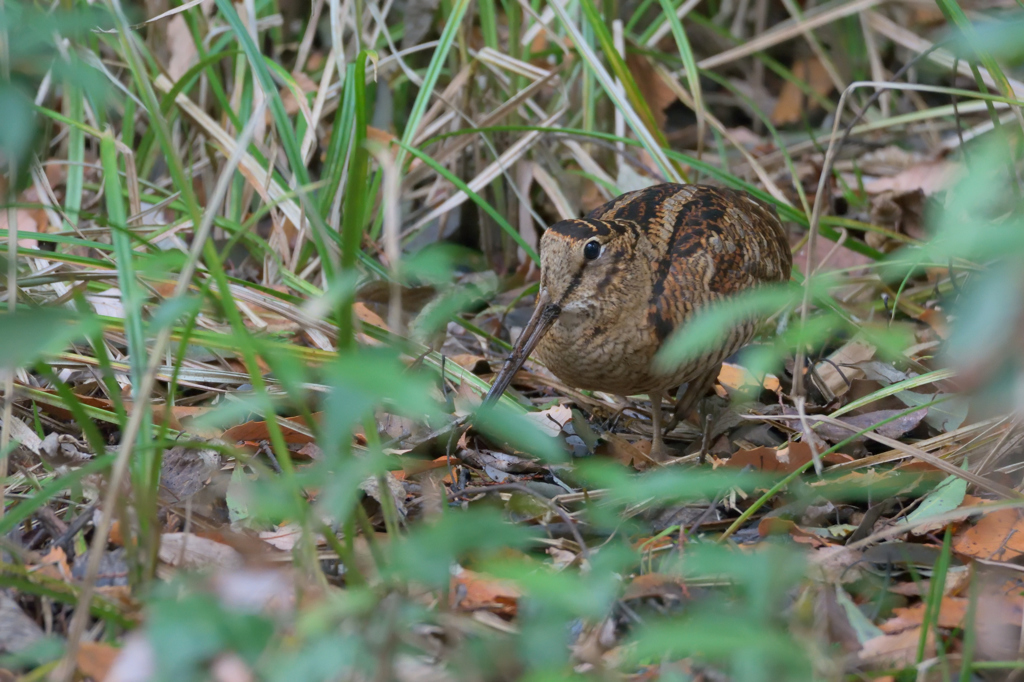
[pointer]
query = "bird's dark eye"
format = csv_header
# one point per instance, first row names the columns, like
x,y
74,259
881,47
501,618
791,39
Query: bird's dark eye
x,y
592,250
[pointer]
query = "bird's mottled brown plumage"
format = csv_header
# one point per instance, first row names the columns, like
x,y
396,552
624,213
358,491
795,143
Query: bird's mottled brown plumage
x,y
665,252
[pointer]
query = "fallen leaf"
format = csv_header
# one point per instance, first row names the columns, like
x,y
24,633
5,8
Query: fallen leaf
x,y
95,659
946,497
897,651
471,591
552,420
26,222
893,429
55,565
193,551
861,624
937,320
740,378
998,536
257,430
929,178
951,615
655,585
284,537
396,491
624,452
184,471
791,106
306,86
107,303
835,374
181,47
783,461
654,90
474,363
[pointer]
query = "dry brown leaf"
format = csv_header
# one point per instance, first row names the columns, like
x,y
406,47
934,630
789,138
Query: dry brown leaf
x,y
998,536
655,92
784,461
929,178
951,615
740,378
850,353
624,452
181,47
184,471
95,659
893,429
552,420
471,591
791,103
379,136
838,257
306,85
257,430
55,565
937,320
283,537
474,363
27,222
655,585
896,651
955,583
188,550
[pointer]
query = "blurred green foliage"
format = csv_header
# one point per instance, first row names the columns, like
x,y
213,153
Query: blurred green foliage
x,y
32,34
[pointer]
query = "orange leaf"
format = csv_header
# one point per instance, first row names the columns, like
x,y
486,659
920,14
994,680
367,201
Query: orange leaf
x,y
784,461
998,536
951,615
655,585
95,658
739,378
471,591
789,108
257,430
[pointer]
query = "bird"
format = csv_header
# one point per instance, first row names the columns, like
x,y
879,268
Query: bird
x,y
616,284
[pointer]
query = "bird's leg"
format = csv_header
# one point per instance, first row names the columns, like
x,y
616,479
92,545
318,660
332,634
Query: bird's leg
x,y
659,452
695,390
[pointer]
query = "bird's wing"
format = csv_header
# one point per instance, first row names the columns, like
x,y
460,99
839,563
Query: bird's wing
x,y
708,243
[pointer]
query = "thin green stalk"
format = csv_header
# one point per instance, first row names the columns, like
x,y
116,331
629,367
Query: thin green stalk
x,y
933,604
355,200
76,154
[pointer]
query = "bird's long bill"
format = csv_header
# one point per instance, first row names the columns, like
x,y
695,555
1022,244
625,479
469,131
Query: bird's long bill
x,y
543,317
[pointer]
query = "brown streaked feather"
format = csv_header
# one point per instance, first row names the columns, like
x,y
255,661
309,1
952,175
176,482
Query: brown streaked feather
x,y
710,243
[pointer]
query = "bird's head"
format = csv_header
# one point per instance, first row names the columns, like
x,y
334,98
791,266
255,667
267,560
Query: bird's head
x,y
585,270
583,261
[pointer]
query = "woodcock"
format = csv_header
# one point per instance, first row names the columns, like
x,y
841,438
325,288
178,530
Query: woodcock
x,y
616,284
